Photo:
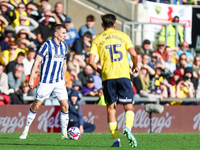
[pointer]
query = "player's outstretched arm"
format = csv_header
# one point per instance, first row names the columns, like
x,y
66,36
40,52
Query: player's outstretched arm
x,y
38,59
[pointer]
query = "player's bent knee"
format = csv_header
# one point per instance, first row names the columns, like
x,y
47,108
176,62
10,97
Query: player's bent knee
x,y
64,108
128,107
36,105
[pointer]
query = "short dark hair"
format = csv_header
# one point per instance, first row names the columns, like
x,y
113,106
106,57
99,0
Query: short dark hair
x,y
108,20
90,18
88,34
31,50
21,54
58,27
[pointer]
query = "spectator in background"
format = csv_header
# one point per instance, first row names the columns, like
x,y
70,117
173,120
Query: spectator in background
x,y
175,57
23,44
59,12
78,87
155,83
36,78
182,64
3,80
171,29
76,63
83,74
16,3
89,89
191,2
8,11
144,78
18,96
87,54
41,4
28,61
11,65
145,59
142,82
45,8
161,49
24,34
196,2
167,89
3,43
196,66
190,57
16,77
10,55
45,29
73,76
155,58
146,48
9,34
20,10
80,44
177,75
88,27
168,63
71,34
26,40
32,11
31,27
182,89
3,23
136,86
188,75
76,116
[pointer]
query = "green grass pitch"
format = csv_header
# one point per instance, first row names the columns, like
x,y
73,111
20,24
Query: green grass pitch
x,y
100,141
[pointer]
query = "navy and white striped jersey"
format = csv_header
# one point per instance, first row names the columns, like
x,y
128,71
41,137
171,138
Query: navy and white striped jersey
x,y
52,63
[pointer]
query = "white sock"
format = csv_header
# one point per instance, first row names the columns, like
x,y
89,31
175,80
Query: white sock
x,y
30,117
128,128
115,140
64,119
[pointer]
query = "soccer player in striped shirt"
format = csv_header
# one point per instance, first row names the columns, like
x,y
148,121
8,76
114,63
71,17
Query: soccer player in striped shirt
x,y
112,47
52,56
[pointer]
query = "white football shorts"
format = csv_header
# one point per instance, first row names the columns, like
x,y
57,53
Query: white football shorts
x,y
58,90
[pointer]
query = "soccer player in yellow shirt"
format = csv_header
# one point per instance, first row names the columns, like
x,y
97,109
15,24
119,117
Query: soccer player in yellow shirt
x,y
112,46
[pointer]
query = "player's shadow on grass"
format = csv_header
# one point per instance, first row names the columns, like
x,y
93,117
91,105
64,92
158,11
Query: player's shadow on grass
x,y
51,145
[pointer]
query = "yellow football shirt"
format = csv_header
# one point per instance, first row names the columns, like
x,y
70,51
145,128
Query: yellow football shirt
x,y
112,46
5,56
183,94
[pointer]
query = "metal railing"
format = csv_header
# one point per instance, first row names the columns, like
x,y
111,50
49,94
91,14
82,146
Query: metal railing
x,y
141,99
157,100
134,24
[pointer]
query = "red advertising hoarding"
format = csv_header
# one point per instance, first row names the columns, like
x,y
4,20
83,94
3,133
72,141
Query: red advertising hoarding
x,y
173,119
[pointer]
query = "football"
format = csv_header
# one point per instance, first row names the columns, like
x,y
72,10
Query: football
x,y
74,133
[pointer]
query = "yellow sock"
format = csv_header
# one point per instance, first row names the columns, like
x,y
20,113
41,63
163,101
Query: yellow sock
x,y
129,118
113,129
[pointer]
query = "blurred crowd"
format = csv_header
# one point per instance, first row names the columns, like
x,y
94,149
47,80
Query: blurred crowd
x,y
165,72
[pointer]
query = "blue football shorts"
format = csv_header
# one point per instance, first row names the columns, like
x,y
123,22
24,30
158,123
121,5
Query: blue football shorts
x,y
118,90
